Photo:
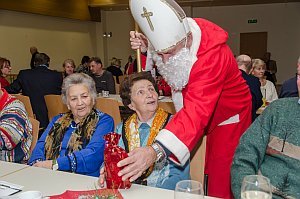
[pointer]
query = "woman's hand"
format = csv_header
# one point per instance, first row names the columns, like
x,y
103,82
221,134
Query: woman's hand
x,y
102,177
44,164
136,163
138,41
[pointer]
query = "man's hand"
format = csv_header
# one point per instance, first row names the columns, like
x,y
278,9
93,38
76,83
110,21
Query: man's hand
x,y
102,177
138,161
44,164
138,41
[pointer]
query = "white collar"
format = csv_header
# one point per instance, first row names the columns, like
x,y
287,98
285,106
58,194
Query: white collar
x,y
149,122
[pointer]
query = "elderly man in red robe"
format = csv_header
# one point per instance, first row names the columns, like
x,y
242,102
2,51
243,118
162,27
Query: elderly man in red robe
x,y
210,95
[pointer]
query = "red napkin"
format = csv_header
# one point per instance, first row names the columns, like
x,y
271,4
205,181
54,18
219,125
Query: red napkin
x,y
112,155
89,194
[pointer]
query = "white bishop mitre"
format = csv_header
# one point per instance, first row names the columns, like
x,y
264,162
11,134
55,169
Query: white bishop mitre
x,y
162,21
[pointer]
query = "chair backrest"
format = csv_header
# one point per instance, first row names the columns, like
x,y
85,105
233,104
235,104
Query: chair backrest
x,y
121,78
55,105
26,101
198,161
35,132
109,106
167,106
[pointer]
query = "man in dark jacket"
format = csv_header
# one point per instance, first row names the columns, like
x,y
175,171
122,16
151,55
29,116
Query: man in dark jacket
x,y
289,87
244,64
36,83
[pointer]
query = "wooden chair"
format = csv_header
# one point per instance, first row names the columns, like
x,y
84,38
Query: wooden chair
x,y
35,132
121,78
55,105
26,101
167,106
198,161
109,106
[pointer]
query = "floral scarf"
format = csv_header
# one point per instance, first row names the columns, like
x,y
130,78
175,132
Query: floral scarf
x,y
78,140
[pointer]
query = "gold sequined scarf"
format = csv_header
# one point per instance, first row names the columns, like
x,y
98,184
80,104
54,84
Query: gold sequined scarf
x,y
78,140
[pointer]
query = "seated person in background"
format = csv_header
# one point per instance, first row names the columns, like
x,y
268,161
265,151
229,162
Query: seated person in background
x,y
289,87
15,129
84,67
103,79
267,88
115,68
69,67
244,64
128,64
139,93
271,147
74,141
5,70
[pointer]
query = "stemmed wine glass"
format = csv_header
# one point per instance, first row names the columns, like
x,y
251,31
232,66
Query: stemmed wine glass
x,y
189,189
256,187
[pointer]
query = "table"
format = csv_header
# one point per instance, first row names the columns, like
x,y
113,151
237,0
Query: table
x,y
7,168
56,182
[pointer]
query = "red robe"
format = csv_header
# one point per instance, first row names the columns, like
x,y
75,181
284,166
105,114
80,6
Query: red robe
x,y
215,92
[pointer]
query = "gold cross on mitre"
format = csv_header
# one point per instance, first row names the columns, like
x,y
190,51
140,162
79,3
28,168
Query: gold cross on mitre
x,y
148,15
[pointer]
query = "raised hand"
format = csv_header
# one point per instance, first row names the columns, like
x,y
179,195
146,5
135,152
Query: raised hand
x,y
138,41
138,161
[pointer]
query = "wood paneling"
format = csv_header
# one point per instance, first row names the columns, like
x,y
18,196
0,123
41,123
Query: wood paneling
x,y
123,4
74,9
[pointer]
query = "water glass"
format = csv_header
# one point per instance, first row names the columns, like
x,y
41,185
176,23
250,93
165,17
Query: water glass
x,y
105,93
189,189
256,187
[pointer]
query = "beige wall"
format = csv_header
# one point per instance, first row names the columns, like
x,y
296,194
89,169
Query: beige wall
x,y
60,38
119,23
64,38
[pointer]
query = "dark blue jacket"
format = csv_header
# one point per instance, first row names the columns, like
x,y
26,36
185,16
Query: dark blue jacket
x,y
254,85
289,88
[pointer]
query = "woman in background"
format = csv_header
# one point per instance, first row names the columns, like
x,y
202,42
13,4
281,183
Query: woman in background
x,y
69,67
73,141
5,70
267,88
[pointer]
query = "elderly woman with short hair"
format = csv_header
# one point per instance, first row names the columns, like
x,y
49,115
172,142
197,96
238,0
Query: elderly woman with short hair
x,y
73,141
267,88
139,93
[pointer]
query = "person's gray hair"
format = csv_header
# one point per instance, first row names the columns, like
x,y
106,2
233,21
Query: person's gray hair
x,y
78,78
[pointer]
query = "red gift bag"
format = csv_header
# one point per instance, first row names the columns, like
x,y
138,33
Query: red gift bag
x,y
112,155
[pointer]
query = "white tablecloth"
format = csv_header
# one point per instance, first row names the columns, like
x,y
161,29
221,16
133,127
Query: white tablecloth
x,y
56,182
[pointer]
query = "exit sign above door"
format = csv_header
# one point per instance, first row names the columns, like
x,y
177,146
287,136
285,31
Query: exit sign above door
x,y
252,20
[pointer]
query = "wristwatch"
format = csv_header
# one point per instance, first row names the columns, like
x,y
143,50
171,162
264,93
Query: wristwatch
x,y
160,153
54,165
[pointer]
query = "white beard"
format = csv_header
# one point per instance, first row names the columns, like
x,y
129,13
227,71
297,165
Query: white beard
x,y
176,70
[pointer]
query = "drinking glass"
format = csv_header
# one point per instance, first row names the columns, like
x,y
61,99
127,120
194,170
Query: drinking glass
x,y
189,189
256,187
264,98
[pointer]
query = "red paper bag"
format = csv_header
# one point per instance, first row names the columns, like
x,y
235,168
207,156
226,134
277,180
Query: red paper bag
x,y
112,155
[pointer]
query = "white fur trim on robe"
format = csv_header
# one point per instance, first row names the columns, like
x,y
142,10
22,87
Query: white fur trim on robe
x,y
173,144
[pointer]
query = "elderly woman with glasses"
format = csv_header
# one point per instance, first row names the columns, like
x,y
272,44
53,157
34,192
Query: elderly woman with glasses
x,y
139,93
73,141
5,70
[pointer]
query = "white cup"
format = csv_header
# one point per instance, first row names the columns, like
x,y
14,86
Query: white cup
x,y
105,93
30,195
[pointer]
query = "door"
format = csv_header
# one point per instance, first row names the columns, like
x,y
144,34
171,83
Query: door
x,y
254,44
